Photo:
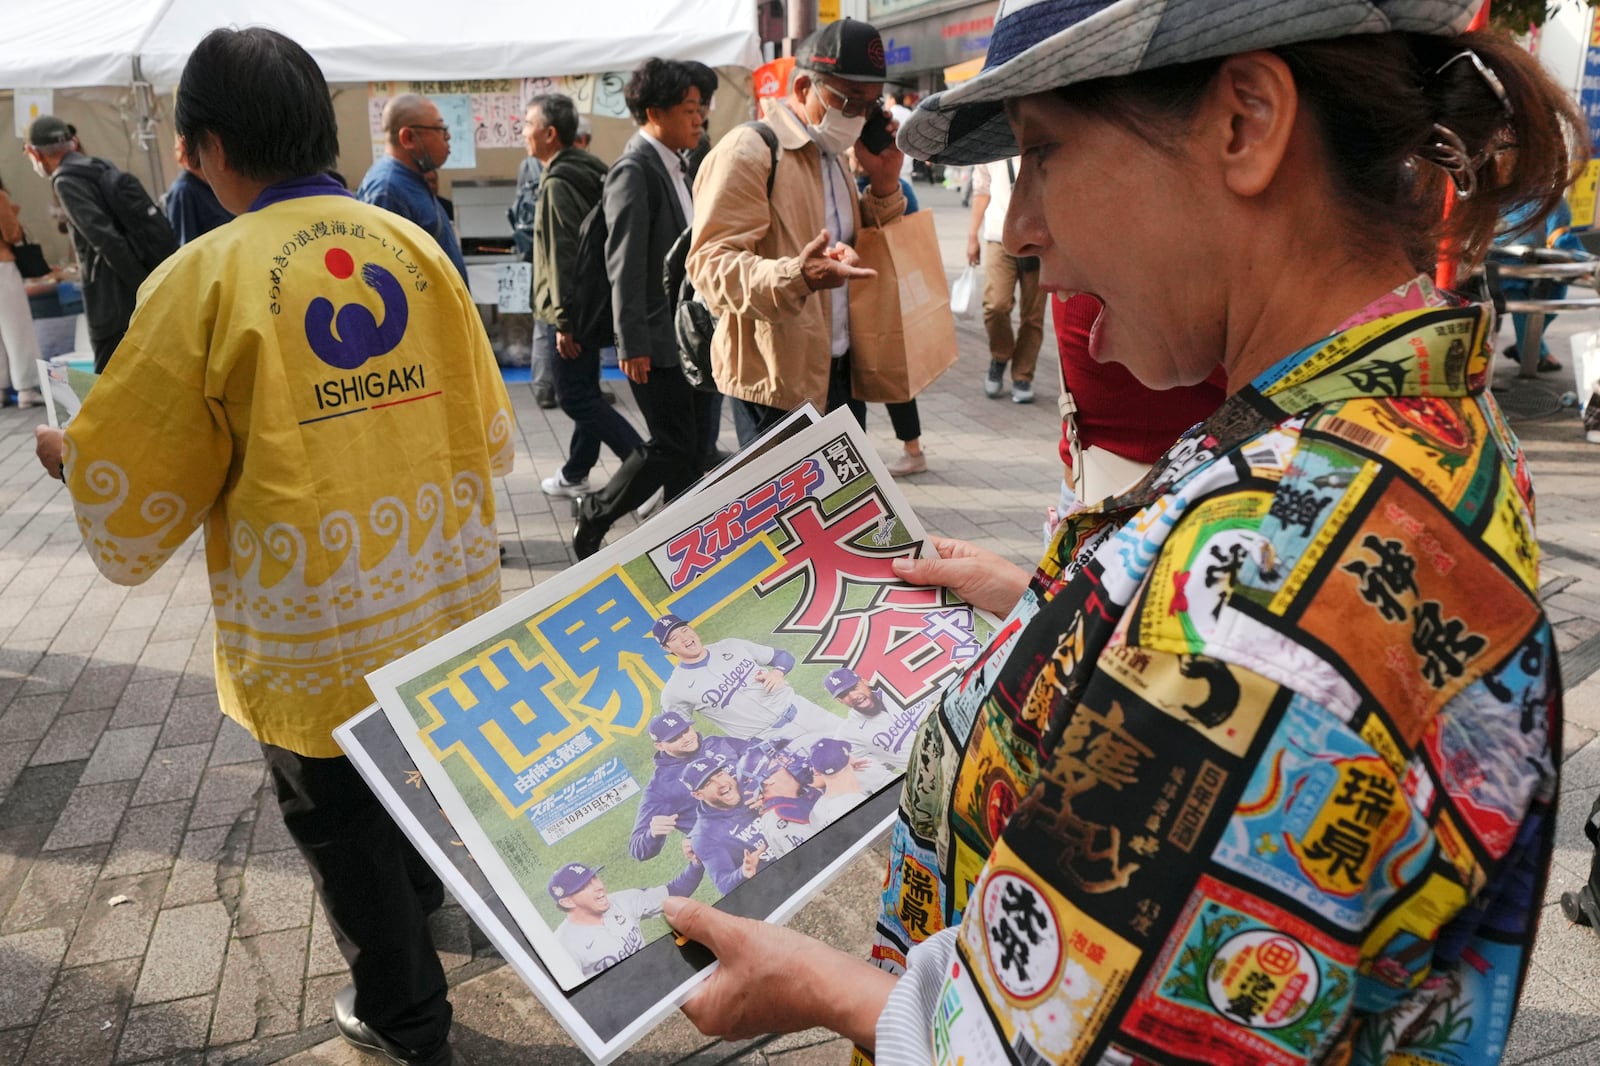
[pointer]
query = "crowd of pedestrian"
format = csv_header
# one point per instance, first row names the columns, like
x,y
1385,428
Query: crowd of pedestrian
x,y
1274,721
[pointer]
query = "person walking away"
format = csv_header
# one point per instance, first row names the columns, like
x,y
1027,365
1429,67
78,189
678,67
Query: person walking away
x,y
647,204
191,207
1005,276
568,191
272,428
416,143
118,232
20,364
521,217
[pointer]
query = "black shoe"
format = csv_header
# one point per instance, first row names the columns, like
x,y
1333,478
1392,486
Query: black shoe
x,y
359,1034
1582,908
545,396
587,537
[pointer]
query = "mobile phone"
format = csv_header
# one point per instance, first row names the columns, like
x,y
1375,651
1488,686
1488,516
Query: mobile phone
x,y
875,135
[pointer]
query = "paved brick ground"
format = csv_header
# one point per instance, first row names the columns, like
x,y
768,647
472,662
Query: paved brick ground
x,y
152,908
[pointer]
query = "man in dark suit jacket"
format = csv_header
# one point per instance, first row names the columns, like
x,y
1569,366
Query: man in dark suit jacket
x,y
647,205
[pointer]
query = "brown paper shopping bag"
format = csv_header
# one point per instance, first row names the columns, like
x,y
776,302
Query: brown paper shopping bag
x,y
902,335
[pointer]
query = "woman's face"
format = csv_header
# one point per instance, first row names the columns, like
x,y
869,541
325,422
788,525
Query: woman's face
x,y
1110,214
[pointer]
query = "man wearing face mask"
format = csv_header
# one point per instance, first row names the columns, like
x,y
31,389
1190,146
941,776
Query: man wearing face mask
x,y
418,142
784,259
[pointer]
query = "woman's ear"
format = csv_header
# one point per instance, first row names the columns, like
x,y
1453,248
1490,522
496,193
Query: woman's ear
x,y
1254,104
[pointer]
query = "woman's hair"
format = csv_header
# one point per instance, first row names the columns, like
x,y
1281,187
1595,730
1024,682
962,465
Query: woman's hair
x,y
264,99
1395,111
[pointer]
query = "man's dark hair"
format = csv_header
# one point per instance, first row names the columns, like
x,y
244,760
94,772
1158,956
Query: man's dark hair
x,y
703,78
264,99
658,83
560,114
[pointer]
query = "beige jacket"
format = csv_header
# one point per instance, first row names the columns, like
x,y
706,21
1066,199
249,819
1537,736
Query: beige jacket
x,y
771,345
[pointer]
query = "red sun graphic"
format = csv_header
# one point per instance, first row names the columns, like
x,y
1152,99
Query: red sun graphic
x,y
339,263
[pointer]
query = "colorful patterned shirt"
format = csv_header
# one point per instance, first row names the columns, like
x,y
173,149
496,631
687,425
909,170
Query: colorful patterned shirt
x,y
1262,767
312,382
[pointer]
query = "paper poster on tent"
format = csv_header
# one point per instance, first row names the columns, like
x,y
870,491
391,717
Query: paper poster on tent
x,y
581,87
455,111
608,96
499,119
378,95
29,104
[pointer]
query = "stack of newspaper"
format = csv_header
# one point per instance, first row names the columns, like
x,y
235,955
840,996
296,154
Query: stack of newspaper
x,y
720,705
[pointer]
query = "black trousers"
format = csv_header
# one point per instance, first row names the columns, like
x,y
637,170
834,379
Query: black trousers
x,y
375,890
103,347
670,460
750,420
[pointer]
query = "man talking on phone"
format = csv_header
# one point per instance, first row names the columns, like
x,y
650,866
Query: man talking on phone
x,y
779,251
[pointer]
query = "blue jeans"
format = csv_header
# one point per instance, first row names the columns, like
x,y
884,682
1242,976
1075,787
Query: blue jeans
x,y
594,422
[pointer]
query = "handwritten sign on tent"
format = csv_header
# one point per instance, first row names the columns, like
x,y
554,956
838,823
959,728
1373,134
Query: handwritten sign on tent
x,y
608,100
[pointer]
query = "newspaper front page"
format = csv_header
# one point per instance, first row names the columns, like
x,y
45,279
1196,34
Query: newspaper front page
x,y
701,709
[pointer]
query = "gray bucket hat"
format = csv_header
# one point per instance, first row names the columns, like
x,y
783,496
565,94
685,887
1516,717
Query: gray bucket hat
x,y
1045,44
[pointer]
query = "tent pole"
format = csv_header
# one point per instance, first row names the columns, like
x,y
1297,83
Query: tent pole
x,y
144,99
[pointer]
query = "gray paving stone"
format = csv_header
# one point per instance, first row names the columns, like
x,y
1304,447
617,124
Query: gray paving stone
x,y
120,755
162,658
29,961
18,847
1546,1020
277,893
41,623
185,954
91,815
163,1031
55,672
322,957
233,744
84,1038
198,683
104,986
13,1045
106,932
270,834
190,720
139,612
261,987
98,687
147,840
39,794
54,889
29,716
180,622
172,773
227,794
71,737
144,702
13,757
207,859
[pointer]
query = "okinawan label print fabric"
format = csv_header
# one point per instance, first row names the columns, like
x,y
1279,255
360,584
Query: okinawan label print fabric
x,y
1261,768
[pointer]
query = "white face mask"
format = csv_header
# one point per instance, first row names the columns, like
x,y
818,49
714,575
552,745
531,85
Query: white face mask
x,y
837,131
38,166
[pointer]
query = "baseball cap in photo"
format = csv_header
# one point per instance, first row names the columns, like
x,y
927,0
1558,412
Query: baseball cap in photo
x,y
669,725
48,130
840,681
830,755
665,626
848,49
1039,45
701,770
570,878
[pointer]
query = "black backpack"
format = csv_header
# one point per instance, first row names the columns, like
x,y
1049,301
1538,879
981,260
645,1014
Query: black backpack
x,y
144,224
592,324
692,321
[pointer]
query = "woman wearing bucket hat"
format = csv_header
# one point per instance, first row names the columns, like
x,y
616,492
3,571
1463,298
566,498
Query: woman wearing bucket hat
x,y
1261,768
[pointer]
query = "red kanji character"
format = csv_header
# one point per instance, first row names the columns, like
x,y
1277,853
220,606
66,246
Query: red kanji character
x,y
688,551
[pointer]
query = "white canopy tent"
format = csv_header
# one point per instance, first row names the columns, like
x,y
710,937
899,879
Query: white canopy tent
x,y
75,44
142,45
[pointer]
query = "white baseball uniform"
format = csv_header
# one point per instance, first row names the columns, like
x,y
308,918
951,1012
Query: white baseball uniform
x,y
595,947
722,687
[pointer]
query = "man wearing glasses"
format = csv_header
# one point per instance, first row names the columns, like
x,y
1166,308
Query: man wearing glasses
x,y
418,142
760,251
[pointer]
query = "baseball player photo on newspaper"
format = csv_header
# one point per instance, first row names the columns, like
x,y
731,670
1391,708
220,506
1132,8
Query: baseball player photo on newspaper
x,y
718,705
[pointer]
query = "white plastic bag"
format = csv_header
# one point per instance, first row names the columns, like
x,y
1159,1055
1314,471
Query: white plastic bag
x,y
961,293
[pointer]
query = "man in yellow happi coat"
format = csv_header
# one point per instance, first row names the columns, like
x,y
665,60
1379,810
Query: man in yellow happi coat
x,y
312,384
